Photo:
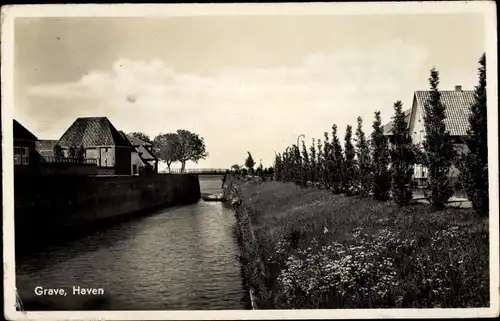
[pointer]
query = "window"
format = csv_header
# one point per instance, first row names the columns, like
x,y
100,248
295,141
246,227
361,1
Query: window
x,y
21,155
17,155
25,155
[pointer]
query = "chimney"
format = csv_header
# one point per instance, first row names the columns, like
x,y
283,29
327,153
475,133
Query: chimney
x,y
458,88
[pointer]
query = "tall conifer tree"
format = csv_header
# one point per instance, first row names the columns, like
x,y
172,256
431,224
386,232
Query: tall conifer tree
x,y
338,163
474,165
403,158
438,147
381,179
349,164
306,164
314,161
363,159
320,163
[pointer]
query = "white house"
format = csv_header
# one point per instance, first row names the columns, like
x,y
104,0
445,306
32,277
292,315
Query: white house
x,y
142,157
100,141
457,102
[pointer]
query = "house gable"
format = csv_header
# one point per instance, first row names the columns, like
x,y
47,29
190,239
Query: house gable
x,y
146,154
136,141
389,126
91,132
458,103
142,147
21,133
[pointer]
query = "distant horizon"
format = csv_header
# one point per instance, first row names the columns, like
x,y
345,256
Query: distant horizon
x,y
248,83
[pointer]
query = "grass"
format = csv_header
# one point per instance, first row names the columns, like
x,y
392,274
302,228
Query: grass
x,y
330,251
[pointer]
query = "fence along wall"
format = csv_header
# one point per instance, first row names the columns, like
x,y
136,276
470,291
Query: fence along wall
x,y
47,205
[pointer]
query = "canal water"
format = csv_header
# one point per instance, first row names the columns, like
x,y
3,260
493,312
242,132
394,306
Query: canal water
x,y
182,257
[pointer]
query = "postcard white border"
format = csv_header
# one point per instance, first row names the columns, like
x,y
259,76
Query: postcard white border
x,y
9,13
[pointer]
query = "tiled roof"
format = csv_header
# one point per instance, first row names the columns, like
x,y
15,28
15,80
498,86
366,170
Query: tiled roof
x,y
145,161
124,136
20,132
457,111
92,131
389,125
145,153
46,147
136,141
140,146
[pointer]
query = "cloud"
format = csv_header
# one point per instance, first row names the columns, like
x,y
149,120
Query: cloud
x,y
260,108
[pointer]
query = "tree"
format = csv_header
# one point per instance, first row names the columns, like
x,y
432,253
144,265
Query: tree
x,y
191,148
270,172
287,165
235,168
363,159
438,147
326,169
337,162
349,163
473,166
144,137
260,169
278,167
306,164
250,163
313,162
166,147
320,162
403,157
381,178
58,151
297,165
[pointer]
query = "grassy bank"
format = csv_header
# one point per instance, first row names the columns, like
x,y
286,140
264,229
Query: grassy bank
x,y
329,251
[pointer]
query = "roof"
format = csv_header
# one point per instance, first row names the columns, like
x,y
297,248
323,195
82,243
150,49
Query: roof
x,y
92,131
20,132
140,146
46,147
145,161
145,153
458,103
136,141
388,127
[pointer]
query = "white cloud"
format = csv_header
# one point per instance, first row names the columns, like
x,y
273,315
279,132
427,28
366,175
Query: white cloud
x,y
258,107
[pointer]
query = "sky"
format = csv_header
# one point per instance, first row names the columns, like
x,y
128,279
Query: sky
x,y
244,83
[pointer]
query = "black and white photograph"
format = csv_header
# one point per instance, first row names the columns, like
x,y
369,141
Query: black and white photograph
x,y
250,161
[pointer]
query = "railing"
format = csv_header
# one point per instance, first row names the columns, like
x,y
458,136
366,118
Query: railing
x,y
421,185
197,171
52,159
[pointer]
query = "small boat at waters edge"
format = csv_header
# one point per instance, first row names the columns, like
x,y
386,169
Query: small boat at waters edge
x,y
207,197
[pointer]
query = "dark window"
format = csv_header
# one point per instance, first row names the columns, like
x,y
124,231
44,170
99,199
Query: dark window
x,y
21,155
17,155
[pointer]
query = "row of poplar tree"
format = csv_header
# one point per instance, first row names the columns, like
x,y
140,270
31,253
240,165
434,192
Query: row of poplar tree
x,y
384,169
